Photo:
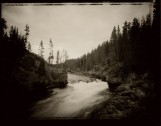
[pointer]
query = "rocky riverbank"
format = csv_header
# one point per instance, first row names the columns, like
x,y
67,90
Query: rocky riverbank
x,y
133,99
133,95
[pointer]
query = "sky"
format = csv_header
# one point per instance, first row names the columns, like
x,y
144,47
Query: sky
x,y
75,28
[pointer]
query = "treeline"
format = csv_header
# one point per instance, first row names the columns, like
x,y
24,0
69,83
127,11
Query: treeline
x,y
23,43
13,47
24,76
131,50
60,57
132,71
130,63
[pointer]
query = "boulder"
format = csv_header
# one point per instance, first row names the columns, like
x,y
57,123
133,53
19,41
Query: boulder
x,y
113,83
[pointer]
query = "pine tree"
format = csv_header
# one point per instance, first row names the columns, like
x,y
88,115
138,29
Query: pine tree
x,y
124,40
119,45
26,34
113,36
66,55
113,49
14,33
3,26
41,49
29,47
57,57
51,56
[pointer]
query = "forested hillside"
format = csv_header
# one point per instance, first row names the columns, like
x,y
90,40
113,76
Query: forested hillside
x,y
131,50
129,62
25,76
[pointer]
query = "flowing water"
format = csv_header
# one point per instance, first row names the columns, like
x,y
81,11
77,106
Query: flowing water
x,y
78,99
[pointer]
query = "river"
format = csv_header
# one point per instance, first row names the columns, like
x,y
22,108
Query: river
x,y
78,99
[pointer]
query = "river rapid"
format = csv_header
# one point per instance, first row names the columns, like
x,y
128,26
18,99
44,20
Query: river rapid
x,y
78,99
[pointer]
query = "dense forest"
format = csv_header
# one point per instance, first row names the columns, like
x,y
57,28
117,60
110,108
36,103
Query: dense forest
x,y
129,62
130,51
25,76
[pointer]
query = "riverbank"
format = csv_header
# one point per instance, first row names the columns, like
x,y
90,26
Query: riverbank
x,y
133,99
80,97
28,81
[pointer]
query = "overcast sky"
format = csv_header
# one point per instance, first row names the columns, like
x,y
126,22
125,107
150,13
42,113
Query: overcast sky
x,y
75,28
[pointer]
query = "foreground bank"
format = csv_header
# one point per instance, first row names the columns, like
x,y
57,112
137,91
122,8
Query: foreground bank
x,y
133,99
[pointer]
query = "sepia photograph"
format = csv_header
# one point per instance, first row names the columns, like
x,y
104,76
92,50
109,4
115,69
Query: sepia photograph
x,y
69,61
